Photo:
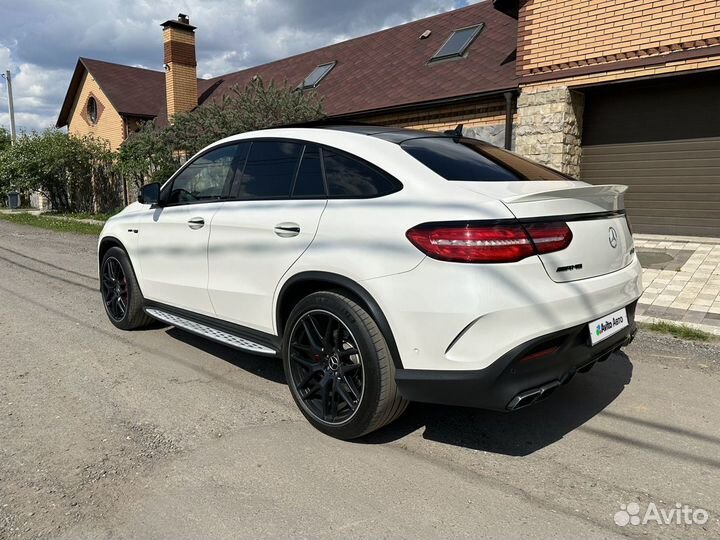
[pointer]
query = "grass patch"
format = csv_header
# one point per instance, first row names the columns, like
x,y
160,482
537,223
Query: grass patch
x,y
679,331
52,223
83,215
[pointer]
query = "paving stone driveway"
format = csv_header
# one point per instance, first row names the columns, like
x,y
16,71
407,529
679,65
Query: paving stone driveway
x,y
681,276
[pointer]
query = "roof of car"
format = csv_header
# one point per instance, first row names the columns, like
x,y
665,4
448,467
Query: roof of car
x,y
388,133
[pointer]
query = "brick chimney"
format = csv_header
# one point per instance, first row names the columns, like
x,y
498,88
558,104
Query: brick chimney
x,y
181,92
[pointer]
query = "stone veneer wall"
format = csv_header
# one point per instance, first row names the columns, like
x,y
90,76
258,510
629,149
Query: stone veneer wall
x,y
492,133
549,127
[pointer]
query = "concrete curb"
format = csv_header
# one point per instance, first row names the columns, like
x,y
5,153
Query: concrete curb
x,y
695,326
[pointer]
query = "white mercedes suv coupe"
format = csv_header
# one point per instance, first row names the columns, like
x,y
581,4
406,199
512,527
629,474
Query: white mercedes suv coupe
x,y
383,266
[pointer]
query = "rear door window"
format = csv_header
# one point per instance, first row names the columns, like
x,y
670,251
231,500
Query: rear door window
x,y
348,177
269,170
309,182
468,160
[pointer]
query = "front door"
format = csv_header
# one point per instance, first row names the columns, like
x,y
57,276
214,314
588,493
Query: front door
x,y
174,237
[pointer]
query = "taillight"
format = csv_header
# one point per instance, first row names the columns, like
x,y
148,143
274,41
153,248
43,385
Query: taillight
x,y
549,237
496,243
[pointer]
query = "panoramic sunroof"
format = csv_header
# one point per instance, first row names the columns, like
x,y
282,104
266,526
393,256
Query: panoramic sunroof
x,y
317,75
458,42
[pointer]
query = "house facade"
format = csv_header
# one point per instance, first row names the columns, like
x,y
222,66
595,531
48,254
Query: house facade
x,y
611,91
627,91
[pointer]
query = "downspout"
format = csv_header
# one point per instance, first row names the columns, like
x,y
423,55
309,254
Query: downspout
x,y
509,102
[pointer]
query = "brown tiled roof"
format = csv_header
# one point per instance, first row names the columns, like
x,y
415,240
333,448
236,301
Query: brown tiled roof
x,y
132,91
390,68
384,70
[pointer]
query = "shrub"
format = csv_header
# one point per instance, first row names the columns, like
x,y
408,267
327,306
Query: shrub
x,y
69,171
4,139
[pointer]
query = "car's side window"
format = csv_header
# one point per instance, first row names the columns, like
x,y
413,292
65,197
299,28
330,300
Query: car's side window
x,y
348,177
309,181
269,170
206,178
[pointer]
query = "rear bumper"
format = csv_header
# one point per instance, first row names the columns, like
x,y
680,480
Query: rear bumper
x,y
516,379
464,317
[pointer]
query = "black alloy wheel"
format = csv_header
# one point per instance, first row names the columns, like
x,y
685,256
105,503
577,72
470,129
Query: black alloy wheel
x,y
121,296
326,367
114,288
339,367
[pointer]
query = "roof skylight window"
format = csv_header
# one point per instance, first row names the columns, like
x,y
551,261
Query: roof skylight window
x,y
317,75
458,42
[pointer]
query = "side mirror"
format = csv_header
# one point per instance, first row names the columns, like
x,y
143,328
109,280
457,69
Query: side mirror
x,y
149,194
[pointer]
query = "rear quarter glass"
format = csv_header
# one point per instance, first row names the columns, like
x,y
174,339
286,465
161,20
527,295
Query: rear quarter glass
x,y
462,159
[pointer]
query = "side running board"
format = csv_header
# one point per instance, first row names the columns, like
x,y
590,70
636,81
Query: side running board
x,y
224,336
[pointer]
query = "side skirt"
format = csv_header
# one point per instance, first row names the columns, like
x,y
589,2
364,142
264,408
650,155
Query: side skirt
x,y
232,335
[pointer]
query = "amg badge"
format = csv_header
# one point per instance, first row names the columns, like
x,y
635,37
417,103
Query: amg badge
x,y
568,268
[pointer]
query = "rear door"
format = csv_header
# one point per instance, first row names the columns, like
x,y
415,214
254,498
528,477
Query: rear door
x,y
173,239
277,200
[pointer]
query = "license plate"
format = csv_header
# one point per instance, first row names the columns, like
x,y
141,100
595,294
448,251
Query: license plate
x,y
607,326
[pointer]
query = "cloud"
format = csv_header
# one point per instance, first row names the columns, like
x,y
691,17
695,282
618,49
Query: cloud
x,y
42,39
38,93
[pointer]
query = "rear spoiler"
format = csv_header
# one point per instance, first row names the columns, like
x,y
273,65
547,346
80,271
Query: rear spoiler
x,y
577,200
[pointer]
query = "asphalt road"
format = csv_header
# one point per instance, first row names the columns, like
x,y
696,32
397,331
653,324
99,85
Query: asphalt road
x,y
155,433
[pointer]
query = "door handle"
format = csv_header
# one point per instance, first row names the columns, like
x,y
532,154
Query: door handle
x,y
287,229
196,223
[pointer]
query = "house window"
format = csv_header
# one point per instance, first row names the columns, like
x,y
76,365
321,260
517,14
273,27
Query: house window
x,y
317,75
92,110
458,42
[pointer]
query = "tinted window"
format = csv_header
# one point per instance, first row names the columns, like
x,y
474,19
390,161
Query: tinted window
x,y
309,181
468,160
351,178
206,178
269,170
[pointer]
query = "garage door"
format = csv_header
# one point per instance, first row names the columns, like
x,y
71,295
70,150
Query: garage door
x,y
661,139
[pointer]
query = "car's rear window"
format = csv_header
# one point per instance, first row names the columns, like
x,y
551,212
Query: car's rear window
x,y
467,160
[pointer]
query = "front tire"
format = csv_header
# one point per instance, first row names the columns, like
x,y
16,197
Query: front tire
x,y
120,292
339,368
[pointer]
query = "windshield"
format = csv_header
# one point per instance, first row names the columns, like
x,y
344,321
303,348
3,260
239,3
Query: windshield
x,y
467,160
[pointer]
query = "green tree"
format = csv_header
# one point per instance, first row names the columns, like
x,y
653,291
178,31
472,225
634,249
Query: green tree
x,y
153,154
4,139
257,106
147,156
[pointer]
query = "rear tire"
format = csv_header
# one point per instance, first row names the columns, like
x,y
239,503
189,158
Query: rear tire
x,y
339,368
120,292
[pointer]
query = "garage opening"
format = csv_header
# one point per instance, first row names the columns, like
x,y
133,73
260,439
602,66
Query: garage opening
x,y
661,138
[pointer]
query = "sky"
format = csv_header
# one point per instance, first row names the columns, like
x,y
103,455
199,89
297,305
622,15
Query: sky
x,y
41,40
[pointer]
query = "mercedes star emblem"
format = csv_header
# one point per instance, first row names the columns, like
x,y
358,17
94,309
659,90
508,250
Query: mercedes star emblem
x,y
612,237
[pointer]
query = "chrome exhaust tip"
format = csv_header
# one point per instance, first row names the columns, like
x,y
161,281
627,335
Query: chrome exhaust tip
x,y
528,397
523,399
